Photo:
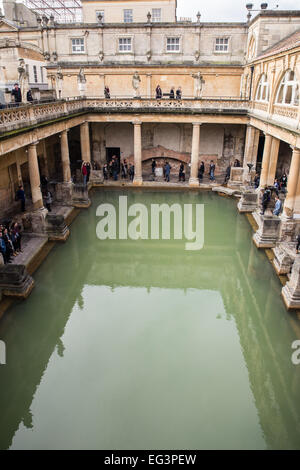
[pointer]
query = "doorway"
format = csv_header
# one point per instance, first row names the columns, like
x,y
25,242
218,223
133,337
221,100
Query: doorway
x,y
113,151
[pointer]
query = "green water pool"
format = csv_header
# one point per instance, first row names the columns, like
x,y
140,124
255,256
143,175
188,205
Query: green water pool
x,y
141,344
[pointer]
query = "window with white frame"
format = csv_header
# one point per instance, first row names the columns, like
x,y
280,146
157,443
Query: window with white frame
x,y
262,93
156,15
35,76
288,91
128,16
173,44
78,46
222,45
98,13
125,44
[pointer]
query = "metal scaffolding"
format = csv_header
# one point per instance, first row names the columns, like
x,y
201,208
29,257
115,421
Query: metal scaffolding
x,y
63,11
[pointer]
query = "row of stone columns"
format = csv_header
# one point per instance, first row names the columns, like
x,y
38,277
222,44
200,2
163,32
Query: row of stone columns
x,y
34,173
268,172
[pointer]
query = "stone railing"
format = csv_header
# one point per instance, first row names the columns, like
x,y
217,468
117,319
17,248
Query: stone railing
x,y
260,106
286,111
27,115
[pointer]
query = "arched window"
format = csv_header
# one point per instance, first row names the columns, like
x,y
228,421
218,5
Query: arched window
x,y
251,48
288,91
262,93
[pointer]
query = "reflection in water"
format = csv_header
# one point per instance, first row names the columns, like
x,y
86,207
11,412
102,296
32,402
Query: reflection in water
x,y
141,344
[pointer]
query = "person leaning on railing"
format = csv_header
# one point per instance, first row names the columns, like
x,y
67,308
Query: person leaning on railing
x,y
16,94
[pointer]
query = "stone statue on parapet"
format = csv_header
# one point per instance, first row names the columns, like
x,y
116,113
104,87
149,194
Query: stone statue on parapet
x,y
136,83
59,82
199,82
23,78
81,77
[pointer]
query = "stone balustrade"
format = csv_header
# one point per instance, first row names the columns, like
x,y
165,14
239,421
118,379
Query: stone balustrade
x,y
28,115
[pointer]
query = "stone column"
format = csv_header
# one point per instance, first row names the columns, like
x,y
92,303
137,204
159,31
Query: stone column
x,y
45,158
266,161
138,179
289,202
194,181
65,159
248,153
34,175
85,142
273,161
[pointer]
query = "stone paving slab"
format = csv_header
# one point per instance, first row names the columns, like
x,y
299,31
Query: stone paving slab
x,y
30,247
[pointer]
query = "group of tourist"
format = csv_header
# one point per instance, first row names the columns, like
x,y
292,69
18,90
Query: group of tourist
x,y
10,241
172,94
113,169
16,95
266,196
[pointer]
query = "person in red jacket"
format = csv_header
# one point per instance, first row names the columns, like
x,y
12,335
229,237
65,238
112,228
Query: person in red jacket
x,y
84,172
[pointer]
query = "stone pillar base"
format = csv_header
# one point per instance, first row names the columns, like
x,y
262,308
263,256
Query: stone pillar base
x,y
248,201
288,228
64,193
268,233
291,291
56,228
283,261
81,196
15,281
34,222
137,181
194,182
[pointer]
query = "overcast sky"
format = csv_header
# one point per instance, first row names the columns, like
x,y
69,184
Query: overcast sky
x,y
224,10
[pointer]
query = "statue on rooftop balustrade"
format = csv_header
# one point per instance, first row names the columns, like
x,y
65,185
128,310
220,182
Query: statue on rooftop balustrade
x,y
136,83
199,82
23,78
81,80
59,82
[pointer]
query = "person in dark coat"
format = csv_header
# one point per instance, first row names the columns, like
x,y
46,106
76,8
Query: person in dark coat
x,y
172,93
167,171
265,200
181,172
105,172
158,92
298,243
115,168
29,96
178,93
21,197
16,94
212,168
88,171
131,172
227,174
201,171
153,166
